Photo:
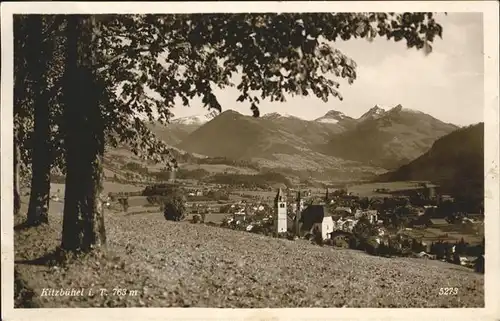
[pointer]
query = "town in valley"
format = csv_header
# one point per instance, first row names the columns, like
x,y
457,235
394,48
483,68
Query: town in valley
x,y
248,160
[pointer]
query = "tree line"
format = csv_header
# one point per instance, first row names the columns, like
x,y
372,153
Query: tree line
x,y
83,83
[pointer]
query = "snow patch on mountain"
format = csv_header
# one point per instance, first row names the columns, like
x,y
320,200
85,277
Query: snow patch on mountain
x,y
413,111
328,121
196,119
276,115
332,117
374,113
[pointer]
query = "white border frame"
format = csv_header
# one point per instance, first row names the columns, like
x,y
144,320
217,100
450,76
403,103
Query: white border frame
x,y
490,10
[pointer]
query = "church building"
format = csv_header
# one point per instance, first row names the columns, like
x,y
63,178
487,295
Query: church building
x,y
313,218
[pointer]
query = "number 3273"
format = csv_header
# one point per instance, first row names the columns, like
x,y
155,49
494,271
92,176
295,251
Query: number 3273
x,y
448,291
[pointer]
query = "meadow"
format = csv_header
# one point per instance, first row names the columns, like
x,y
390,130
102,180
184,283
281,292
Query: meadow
x,y
178,264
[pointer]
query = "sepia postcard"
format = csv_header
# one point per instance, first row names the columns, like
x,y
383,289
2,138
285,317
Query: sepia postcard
x,y
266,160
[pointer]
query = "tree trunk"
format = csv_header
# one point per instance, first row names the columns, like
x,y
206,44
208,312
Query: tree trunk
x,y
17,165
83,222
40,180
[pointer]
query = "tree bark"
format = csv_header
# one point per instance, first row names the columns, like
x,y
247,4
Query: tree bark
x,y
40,180
17,165
83,222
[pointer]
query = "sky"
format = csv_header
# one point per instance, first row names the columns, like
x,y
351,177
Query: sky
x,y
447,84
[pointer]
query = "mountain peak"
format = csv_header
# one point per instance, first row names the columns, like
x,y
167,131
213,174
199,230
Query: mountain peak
x,y
275,115
230,112
332,117
376,109
334,113
397,108
374,112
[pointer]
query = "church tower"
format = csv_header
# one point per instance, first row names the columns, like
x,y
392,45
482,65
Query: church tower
x,y
327,197
281,215
298,215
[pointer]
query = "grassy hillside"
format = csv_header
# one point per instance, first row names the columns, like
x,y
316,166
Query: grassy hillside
x,y
455,161
390,140
178,264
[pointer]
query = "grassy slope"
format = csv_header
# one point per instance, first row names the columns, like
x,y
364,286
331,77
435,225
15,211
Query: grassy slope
x,y
181,264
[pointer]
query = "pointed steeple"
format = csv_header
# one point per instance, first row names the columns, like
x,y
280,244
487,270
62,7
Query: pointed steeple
x,y
326,196
280,197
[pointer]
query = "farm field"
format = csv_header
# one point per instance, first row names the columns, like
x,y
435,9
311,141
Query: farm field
x,y
259,194
219,168
450,233
109,187
367,189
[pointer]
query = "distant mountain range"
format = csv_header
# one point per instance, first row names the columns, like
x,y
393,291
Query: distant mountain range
x,y
272,140
377,141
388,144
455,162
389,138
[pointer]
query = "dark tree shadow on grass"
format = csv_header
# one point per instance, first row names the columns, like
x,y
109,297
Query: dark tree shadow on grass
x,y
26,225
22,226
61,258
53,258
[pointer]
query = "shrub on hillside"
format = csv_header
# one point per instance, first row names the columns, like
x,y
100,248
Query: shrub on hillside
x,y
371,246
218,195
135,167
175,208
123,201
340,241
156,200
160,189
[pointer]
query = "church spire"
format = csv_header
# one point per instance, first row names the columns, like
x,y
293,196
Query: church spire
x,y
326,196
279,196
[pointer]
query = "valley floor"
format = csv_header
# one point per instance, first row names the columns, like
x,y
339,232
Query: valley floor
x,y
179,264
